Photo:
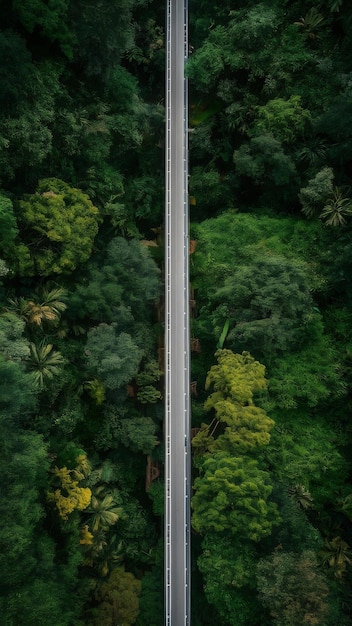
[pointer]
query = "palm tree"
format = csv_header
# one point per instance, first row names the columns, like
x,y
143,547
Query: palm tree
x,y
50,307
335,6
113,554
94,549
310,23
103,509
19,306
105,473
336,553
345,506
301,496
95,389
47,308
337,208
312,153
44,363
101,550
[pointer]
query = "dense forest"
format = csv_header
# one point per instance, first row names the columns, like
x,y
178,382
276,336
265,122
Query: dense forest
x,y
81,318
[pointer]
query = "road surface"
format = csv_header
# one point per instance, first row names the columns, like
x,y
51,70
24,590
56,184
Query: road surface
x,y
177,359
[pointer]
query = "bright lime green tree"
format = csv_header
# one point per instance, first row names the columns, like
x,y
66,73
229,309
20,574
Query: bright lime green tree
x,y
58,225
236,379
233,495
236,376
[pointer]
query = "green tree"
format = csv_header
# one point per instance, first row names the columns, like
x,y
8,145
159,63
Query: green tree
x,y
102,36
138,433
232,494
310,375
151,601
321,199
334,125
235,379
293,588
17,396
314,196
296,533
125,425
264,158
304,452
284,119
50,18
228,568
112,355
8,227
209,188
118,600
21,510
42,601
272,305
59,224
251,285
26,122
121,285
12,343
205,66
15,59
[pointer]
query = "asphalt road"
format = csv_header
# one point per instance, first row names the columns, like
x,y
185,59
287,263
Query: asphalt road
x,y
177,384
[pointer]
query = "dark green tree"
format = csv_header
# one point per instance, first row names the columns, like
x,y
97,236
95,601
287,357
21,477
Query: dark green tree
x,y
228,568
112,355
293,588
119,286
118,600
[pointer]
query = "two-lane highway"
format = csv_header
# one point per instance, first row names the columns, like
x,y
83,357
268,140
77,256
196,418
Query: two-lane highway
x,y
177,359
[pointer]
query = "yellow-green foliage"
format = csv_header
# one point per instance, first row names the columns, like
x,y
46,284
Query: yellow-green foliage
x,y
284,119
238,376
59,224
233,495
70,496
96,390
235,379
248,426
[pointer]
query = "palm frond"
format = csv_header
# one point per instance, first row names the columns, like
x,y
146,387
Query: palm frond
x,y
45,363
337,209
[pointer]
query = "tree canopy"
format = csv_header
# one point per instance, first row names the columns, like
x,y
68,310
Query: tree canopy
x,y
82,114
